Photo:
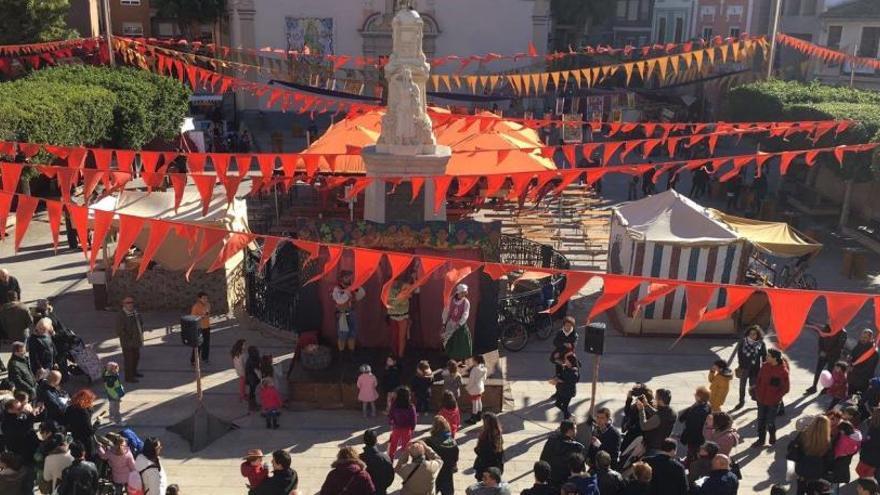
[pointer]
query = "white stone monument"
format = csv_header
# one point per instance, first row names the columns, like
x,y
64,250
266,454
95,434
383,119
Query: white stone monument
x,y
406,146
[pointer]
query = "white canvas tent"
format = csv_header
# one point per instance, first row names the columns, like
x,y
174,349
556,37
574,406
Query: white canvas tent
x,y
669,236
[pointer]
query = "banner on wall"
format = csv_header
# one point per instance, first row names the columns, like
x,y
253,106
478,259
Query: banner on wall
x,y
316,33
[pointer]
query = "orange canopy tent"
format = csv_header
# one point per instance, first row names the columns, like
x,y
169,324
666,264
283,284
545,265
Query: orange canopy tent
x,y
467,142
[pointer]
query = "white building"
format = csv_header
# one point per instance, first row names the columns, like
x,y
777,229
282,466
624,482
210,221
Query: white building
x,y
672,21
363,27
853,28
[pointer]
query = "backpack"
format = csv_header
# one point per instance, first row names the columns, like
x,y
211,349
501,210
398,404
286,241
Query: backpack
x,y
135,444
135,485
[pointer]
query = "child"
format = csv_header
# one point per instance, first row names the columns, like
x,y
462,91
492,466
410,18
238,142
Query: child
x,y
254,469
838,387
449,410
367,392
270,400
848,441
120,459
390,380
238,358
115,391
719,384
25,399
421,387
475,387
252,375
452,378
402,418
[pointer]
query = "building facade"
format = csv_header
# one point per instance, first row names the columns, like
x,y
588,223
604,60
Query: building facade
x,y
130,17
673,21
725,18
853,28
363,27
632,22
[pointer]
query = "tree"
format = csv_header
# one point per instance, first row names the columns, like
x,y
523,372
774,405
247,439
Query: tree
x,y
34,21
572,18
187,13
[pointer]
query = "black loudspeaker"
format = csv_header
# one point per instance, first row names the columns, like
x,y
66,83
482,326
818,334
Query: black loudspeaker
x,y
594,338
189,331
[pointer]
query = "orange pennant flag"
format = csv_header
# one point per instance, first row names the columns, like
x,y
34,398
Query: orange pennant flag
x,y
629,69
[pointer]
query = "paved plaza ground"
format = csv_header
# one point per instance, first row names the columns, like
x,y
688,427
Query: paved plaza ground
x,y
166,394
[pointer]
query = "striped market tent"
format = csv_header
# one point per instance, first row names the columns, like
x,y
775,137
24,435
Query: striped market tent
x,y
669,236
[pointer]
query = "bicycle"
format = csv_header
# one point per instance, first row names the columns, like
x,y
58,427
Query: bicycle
x,y
797,278
517,322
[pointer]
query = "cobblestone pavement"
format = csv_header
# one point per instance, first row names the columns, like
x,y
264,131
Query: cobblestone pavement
x,y
166,394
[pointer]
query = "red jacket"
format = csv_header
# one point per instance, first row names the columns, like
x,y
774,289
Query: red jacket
x,y
772,383
255,474
270,399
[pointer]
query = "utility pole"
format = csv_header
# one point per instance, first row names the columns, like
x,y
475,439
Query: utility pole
x,y
108,31
777,10
852,66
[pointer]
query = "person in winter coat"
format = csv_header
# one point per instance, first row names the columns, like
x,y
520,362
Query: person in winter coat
x,y
20,373
702,465
830,347
750,354
542,484
17,426
812,453
605,437
442,442
640,484
114,390
55,398
669,476
475,386
283,480
120,459
773,384
720,377
378,463
81,477
610,481
584,483
418,468
721,481
252,376
694,418
846,445
564,343
56,460
656,421
863,363
566,384
557,450
130,330
41,348
839,389
237,353
149,466
254,469
869,453
349,476
390,380
15,318
490,447
270,401
719,430
450,411
402,417
78,420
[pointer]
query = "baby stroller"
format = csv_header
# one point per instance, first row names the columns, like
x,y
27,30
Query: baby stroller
x,y
85,359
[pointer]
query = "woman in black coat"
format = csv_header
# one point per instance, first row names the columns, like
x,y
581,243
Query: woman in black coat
x,y
812,453
78,420
252,374
444,445
750,354
869,453
566,384
490,447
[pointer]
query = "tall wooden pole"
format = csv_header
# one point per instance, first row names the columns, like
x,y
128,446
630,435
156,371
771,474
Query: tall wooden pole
x,y
108,31
777,11
596,359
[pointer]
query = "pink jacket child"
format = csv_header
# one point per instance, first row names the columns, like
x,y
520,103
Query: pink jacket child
x,y
120,460
848,441
838,386
368,392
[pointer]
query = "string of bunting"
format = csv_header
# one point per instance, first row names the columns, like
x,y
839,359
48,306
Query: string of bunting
x,y
51,46
789,308
826,54
511,187
42,54
360,62
606,150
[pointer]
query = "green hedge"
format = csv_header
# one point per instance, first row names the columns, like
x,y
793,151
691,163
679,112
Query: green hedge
x,y
52,112
147,107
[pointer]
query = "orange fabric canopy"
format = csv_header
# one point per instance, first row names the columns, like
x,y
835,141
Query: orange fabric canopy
x,y
465,139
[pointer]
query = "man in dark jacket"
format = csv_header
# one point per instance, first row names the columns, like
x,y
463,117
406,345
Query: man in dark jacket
x,y
378,463
130,330
605,437
694,417
863,362
656,422
610,481
81,477
586,484
9,283
669,477
558,449
542,484
283,478
55,398
721,481
830,348
772,385
41,348
20,373
15,318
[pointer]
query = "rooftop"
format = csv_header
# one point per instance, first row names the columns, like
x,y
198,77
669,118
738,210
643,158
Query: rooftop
x,y
856,8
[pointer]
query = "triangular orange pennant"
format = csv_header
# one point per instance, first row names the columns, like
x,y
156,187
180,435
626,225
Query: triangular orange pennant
x,y
334,253
100,227
428,265
441,185
655,291
574,282
158,231
235,243
27,205
220,161
398,263
465,183
456,271
416,186
90,180
195,162
178,183
789,309
267,165
11,174
698,298
842,308
268,249
129,229
366,261
497,270
736,297
205,186
614,289
209,238
608,149
79,219
569,151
